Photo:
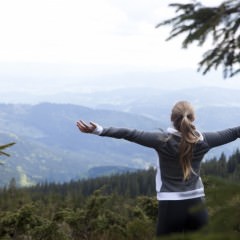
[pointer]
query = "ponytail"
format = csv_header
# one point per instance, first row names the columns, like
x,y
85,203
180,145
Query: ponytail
x,y
188,139
182,118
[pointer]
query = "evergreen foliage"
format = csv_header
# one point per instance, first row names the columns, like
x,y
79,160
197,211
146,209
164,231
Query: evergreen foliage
x,y
223,167
107,208
222,23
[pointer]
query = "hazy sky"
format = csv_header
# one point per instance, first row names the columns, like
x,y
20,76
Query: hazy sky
x,y
49,46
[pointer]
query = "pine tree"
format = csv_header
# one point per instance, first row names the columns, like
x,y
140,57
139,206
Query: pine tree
x,y
222,23
222,166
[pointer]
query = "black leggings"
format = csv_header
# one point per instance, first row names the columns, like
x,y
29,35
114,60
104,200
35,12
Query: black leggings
x,y
176,216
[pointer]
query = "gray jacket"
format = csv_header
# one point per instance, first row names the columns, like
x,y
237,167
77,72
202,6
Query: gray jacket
x,y
169,177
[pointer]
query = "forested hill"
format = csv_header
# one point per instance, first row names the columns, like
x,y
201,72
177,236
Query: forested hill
x,y
141,182
117,207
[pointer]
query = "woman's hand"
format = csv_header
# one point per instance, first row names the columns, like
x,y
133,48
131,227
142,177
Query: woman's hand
x,y
86,128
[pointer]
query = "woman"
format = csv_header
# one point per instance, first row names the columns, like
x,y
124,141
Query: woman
x,y
180,149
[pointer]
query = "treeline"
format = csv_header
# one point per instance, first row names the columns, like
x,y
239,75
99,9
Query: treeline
x,y
133,184
223,167
129,184
116,207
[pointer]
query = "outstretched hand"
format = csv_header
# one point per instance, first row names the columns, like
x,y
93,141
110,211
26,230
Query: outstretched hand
x,y
86,128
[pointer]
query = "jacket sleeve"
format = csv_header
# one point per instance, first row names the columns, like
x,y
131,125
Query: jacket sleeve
x,y
147,139
219,138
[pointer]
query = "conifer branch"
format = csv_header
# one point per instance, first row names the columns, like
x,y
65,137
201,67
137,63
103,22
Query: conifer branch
x,y
221,23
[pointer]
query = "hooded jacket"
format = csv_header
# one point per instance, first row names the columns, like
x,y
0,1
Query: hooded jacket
x,y
169,176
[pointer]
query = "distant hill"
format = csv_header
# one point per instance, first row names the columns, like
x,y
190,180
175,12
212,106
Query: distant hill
x,y
50,147
108,171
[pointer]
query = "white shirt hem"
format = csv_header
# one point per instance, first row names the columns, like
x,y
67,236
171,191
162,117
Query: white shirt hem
x,y
180,195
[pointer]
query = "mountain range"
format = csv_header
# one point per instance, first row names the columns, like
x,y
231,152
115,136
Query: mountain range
x,y
49,147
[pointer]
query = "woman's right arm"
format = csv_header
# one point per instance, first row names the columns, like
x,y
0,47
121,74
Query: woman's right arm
x,y
148,139
219,138
151,139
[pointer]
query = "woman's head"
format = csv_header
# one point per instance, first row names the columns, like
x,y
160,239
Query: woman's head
x,y
182,110
182,118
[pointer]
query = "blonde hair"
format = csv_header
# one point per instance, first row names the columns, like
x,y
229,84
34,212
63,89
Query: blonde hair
x,y
183,117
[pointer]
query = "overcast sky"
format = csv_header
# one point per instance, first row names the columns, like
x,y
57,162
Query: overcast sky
x,y
49,46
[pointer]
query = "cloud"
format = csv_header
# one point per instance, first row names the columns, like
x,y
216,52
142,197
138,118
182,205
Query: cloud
x,y
50,45
86,32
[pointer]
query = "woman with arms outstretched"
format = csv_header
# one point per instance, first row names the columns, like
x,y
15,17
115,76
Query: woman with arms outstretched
x,y
180,149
